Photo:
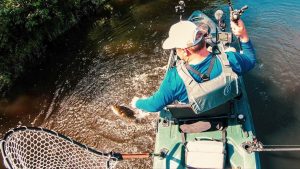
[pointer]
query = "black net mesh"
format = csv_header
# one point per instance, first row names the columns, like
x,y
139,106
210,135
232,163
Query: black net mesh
x,y
30,149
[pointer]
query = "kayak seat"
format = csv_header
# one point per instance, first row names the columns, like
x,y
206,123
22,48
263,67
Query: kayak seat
x,y
202,154
184,111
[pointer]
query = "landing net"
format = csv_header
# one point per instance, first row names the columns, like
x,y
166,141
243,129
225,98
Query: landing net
x,y
37,148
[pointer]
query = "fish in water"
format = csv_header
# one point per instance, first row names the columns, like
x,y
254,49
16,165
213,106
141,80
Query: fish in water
x,y
124,112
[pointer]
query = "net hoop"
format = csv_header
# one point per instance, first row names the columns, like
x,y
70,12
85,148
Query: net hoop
x,y
16,156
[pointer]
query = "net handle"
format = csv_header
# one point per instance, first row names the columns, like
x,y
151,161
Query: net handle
x,y
116,156
135,155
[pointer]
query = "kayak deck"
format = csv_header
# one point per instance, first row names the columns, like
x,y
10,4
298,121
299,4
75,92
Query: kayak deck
x,y
168,137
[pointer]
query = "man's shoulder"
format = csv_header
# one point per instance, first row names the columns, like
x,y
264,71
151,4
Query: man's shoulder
x,y
173,77
172,71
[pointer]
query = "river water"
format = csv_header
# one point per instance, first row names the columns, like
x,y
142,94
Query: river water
x,y
110,60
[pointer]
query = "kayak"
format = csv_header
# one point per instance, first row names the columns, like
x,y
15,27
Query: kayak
x,y
215,148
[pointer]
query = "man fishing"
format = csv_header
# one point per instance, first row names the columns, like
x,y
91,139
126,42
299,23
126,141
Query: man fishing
x,y
190,46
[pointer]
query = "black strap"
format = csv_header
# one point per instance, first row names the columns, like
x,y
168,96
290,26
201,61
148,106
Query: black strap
x,y
206,76
211,65
183,140
224,140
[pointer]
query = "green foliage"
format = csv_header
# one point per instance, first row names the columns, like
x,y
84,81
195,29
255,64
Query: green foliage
x,y
27,25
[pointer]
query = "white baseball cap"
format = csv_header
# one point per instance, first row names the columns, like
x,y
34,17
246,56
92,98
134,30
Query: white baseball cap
x,y
182,35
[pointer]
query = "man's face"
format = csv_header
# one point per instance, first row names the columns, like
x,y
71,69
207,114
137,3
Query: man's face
x,y
181,53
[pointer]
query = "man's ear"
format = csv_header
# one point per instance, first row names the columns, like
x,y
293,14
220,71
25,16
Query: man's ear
x,y
188,53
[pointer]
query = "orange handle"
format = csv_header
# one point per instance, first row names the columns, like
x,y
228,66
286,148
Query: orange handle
x,y
137,155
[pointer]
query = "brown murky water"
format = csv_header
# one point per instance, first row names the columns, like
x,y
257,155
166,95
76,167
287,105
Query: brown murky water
x,y
111,60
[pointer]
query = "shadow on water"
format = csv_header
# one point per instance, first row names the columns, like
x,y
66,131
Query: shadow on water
x,y
46,84
276,119
271,108
33,91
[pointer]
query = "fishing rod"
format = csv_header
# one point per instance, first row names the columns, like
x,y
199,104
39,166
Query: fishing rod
x,y
179,9
235,15
257,146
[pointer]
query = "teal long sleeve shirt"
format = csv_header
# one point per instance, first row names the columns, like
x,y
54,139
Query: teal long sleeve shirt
x,y
172,87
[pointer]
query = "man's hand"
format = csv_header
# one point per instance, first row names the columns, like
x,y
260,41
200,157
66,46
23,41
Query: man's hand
x,y
230,49
139,113
133,101
239,30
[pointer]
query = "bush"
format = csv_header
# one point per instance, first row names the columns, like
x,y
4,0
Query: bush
x,y
27,25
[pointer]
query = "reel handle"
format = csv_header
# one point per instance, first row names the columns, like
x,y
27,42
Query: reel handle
x,y
244,8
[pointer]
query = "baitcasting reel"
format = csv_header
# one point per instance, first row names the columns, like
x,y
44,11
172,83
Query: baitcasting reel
x,y
237,13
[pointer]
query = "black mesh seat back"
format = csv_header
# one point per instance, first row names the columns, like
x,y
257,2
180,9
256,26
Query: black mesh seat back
x,y
180,111
184,111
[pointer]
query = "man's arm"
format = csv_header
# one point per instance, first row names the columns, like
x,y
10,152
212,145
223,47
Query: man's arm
x,y
162,97
239,30
242,63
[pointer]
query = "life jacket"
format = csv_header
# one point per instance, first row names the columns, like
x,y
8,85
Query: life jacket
x,y
209,94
